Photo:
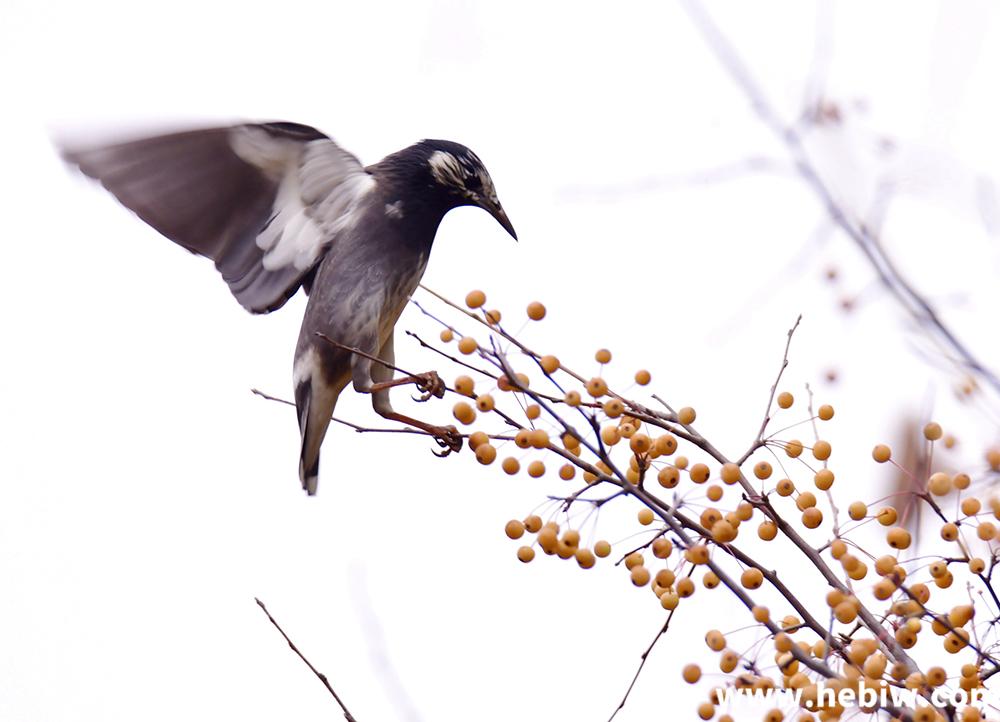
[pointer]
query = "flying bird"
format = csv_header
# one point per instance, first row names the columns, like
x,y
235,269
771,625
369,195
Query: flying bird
x,y
280,206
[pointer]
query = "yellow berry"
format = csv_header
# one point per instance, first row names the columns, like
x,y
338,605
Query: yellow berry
x,y
939,484
485,403
730,473
812,518
785,400
949,532
525,554
752,578
971,506
845,612
640,443
643,377
447,335
572,398
463,412
536,311
539,438
825,412
691,673
838,548
640,576
665,578
536,469
665,445
634,560
684,587
662,548
475,299
823,479
805,500
549,364
933,431
887,516
858,510
585,558
668,477
697,554
567,472
699,473
602,356
468,345
613,408
822,450
533,523
762,470
486,454
645,516
669,600
686,415
510,465
794,448
898,538
476,438
785,487
597,387
514,529
465,386
723,532
602,548
767,530
761,615
881,453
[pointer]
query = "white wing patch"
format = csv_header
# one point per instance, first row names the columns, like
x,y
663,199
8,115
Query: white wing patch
x,y
319,194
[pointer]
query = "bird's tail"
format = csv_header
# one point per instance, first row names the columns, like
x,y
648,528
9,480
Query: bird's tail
x,y
314,418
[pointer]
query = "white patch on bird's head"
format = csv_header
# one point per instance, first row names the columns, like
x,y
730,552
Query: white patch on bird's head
x,y
464,173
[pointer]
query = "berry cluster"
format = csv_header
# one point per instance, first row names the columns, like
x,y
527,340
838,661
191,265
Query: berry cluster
x,y
530,413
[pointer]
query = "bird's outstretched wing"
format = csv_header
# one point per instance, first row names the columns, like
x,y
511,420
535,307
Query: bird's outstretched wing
x,y
263,201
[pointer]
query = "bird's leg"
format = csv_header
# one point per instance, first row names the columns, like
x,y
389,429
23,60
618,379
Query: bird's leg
x,y
429,384
376,378
447,437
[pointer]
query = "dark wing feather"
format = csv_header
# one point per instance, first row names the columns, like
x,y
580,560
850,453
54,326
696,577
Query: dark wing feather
x,y
216,191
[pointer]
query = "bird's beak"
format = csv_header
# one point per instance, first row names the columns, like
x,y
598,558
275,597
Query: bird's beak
x,y
497,211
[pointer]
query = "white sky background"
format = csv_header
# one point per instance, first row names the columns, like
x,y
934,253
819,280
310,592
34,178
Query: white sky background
x,y
146,496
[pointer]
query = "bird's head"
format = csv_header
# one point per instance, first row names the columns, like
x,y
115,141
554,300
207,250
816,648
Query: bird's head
x,y
463,177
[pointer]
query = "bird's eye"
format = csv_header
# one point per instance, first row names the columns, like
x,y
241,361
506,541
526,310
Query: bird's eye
x,y
474,183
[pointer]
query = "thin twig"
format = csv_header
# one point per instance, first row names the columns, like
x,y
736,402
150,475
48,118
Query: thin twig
x,y
642,663
759,441
319,675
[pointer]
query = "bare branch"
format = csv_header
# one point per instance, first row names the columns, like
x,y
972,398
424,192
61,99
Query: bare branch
x,y
319,675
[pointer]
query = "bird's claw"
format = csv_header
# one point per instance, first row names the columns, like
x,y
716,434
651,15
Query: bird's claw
x,y
448,438
430,385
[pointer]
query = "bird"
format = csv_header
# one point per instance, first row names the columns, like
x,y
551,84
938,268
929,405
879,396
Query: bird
x,y
280,206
